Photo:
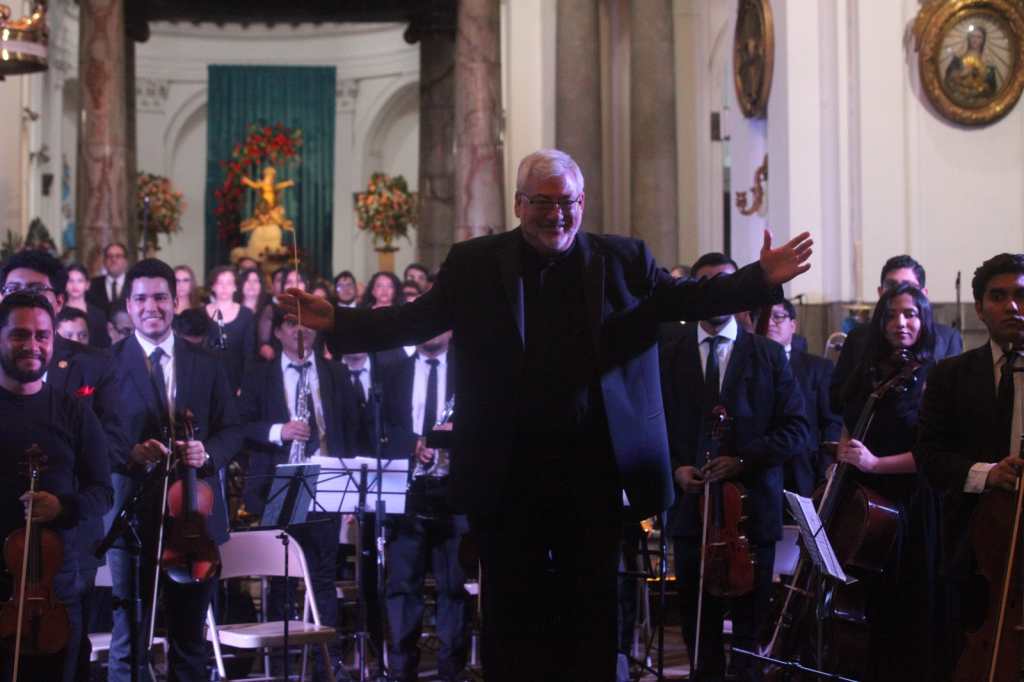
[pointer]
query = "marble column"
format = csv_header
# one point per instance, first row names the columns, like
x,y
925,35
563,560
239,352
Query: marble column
x,y
578,99
435,32
652,116
479,182
102,182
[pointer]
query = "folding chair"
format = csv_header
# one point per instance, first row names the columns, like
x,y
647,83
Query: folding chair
x,y
261,553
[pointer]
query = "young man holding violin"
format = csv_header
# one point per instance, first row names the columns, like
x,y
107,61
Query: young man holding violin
x,y
716,365
969,447
160,377
74,486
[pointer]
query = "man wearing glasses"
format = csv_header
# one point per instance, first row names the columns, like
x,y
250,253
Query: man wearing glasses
x,y
106,290
74,369
559,414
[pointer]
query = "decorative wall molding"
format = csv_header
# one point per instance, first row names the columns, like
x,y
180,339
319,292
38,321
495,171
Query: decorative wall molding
x,y
151,94
348,91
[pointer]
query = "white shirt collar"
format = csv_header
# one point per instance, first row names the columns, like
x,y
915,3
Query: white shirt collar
x,y
167,345
287,361
997,353
442,359
729,331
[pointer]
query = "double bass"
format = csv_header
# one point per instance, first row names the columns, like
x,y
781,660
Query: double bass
x,y
862,526
34,622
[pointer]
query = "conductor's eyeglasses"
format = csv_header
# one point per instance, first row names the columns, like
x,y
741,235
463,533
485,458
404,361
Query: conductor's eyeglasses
x,y
545,204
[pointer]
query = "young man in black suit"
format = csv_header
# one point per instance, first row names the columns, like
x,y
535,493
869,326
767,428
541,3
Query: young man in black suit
x,y
749,376
806,469
969,443
427,536
158,376
897,270
87,374
106,290
74,485
270,410
559,407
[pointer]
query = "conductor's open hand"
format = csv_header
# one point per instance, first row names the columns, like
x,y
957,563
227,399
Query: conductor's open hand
x,y
1005,474
45,507
789,260
316,313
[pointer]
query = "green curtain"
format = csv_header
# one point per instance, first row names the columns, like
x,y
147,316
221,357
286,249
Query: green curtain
x,y
298,97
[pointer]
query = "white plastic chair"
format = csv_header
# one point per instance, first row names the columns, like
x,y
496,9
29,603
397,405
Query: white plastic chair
x,y
100,641
260,553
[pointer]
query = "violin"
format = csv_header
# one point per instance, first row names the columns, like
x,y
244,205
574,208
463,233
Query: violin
x,y
726,562
34,618
993,651
189,554
862,526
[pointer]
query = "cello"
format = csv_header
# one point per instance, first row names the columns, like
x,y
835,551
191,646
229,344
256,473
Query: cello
x,y
862,526
35,619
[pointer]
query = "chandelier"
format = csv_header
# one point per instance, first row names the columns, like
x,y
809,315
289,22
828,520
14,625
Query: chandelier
x,y
22,42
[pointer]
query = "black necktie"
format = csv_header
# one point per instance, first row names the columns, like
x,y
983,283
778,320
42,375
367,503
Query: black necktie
x,y
156,376
357,383
430,408
113,290
711,373
313,444
1004,395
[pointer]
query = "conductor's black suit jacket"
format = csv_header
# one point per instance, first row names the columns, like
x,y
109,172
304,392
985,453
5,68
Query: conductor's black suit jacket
x,y
956,430
479,294
768,426
202,387
263,405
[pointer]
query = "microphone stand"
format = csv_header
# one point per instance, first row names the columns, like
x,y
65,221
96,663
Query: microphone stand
x,y
380,507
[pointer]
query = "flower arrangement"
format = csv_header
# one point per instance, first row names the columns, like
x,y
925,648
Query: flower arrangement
x,y
275,145
387,209
158,206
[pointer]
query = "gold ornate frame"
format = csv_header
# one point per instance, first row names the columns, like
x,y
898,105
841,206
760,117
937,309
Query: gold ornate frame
x,y
753,104
931,25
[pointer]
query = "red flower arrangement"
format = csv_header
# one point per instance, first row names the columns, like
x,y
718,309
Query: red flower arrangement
x,y
85,391
387,209
264,145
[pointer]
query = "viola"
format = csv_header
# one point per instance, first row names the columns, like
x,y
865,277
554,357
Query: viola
x,y
862,527
994,651
34,622
189,554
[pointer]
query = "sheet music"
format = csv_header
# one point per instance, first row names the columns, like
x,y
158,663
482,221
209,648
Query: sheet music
x,y
337,487
815,539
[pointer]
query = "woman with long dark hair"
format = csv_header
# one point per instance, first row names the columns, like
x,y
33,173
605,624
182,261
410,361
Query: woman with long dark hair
x,y
904,605
233,329
74,297
383,289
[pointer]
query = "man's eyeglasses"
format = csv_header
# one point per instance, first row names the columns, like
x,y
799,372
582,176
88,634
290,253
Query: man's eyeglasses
x,y
33,288
545,204
779,318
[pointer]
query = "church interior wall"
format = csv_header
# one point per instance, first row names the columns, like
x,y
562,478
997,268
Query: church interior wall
x,y
11,133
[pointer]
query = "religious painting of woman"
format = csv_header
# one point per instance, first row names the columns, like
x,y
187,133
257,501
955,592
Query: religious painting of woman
x,y
976,72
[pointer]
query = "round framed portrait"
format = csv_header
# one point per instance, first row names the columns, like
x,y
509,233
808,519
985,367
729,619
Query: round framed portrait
x,y
970,58
753,56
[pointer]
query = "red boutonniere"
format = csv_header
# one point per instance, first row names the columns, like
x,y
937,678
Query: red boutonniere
x,y
85,391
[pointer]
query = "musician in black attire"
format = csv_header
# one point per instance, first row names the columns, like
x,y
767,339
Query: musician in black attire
x,y
718,364
428,535
903,605
75,483
270,411
159,375
83,372
970,430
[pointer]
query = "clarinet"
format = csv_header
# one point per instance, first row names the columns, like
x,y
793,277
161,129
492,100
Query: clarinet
x,y
297,453
222,337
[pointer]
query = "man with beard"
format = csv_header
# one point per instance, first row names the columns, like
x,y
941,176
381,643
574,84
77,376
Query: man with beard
x,y
74,485
158,376
560,415
428,535
969,441
87,374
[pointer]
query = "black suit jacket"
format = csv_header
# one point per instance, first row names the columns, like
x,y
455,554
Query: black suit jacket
x,y
202,386
956,430
764,401
479,294
948,343
88,374
97,293
814,374
263,404
397,409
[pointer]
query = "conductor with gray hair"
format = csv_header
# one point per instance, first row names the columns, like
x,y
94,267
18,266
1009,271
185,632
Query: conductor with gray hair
x,y
559,431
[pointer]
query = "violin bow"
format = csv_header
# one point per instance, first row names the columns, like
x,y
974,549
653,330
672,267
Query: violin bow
x,y
160,526
32,456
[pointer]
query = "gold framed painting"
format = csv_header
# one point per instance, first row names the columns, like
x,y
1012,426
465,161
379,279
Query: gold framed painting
x,y
753,56
971,57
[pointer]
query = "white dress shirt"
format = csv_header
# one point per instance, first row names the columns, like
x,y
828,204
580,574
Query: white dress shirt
x,y
723,350
291,385
419,390
978,473
166,362
110,286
